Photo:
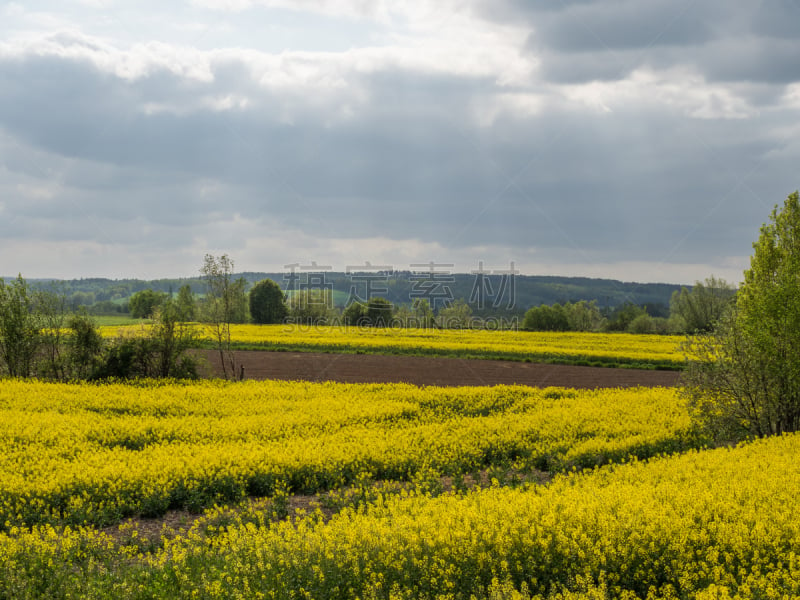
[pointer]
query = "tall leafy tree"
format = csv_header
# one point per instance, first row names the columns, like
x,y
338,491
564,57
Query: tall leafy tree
x,y
267,303
379,312
185,304
20,328
51,309
143,304
220,306
703,306
745,378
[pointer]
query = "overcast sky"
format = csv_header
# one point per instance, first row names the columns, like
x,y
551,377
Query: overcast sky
x,y
642,140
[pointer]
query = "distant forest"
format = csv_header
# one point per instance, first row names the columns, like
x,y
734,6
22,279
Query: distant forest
x,y
487,295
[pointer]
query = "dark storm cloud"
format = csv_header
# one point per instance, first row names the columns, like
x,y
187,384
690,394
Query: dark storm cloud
x,y
412,163
609,26
586,40
144,150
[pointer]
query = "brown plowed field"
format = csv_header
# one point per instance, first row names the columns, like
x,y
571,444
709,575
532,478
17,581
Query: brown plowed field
x,y
373,368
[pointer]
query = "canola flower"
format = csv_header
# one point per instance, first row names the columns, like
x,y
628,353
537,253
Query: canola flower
x,y
710,524
94,454
583,348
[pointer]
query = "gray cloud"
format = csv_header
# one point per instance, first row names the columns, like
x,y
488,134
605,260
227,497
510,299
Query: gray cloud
x,y
166,149
585,40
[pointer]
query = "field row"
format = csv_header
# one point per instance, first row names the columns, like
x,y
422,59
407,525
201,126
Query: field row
x,y
608,349
713,524
94,454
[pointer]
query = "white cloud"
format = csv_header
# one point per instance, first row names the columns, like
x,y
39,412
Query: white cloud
x,y
679,88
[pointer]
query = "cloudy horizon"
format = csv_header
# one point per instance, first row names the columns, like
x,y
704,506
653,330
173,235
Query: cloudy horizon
x,y
640,141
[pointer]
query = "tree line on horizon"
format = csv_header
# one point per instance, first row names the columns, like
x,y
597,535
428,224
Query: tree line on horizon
x,y
112,297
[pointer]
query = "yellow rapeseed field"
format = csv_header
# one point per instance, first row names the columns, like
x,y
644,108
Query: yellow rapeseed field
x,y
706,525
603,347
82,453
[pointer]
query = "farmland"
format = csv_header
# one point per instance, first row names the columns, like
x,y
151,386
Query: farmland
x,y
420,493
593,349
87,454
320,489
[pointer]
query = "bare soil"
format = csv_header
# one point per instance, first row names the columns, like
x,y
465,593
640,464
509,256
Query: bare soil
x,y
421,370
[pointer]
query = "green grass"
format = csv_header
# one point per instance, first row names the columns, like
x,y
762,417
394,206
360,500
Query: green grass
x,y
116,320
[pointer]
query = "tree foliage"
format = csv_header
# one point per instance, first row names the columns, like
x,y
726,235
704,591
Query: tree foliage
x,y
311,306
744,379
457,315
379,312
38,336
622,316
185,304
20,327
51,308
267,303
584,316
571,316
355,314
160,352
704,305
546,318
221,306
142,304
84,346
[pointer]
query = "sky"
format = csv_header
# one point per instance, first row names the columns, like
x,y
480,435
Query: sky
x,y
639,140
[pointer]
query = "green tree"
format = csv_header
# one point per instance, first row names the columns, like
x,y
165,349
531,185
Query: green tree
x,y
172,337
455,316
143,304
623,316
355,314
379,312
744,379
703,306
311,307
185,304
584,316
51,308
644,323
240,312
220,307
546,318
267,303
78,299
159,351
84,346
423,313
20,327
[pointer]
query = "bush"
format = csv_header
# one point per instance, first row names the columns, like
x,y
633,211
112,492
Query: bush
x,y
160,352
